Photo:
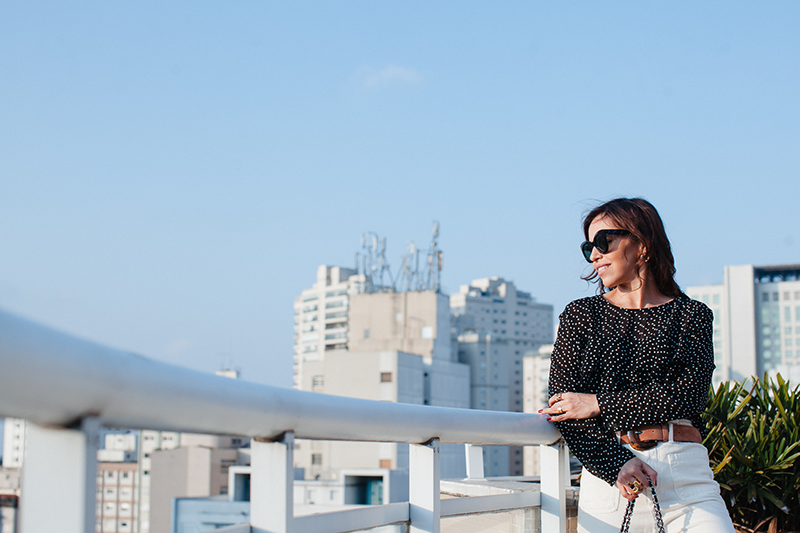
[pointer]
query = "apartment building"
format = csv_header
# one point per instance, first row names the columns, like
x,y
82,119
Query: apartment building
x,y
756,321
493,325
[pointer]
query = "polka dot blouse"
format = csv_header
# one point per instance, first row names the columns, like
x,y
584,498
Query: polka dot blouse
x,y
647,366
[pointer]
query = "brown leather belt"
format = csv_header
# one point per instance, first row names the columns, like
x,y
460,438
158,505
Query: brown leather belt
x,y
646,437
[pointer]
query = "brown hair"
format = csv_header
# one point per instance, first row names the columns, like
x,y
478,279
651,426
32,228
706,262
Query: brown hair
x,y
640,218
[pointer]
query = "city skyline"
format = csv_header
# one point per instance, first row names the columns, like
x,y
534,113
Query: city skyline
x,y
172,176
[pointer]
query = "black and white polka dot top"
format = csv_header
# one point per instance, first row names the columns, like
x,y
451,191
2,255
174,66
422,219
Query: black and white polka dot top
x,y
647,366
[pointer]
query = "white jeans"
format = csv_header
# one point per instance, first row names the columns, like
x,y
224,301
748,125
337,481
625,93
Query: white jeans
x,y
686,490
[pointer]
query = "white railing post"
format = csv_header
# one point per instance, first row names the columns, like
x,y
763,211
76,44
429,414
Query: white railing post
x,y
424,507
554,461
474,456
272,485
59,478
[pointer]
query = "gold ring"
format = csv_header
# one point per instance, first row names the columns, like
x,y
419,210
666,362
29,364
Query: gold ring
x,y
559,397
635,486
560,411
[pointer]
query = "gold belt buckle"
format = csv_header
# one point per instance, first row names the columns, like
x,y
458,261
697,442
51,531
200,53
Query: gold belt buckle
x,y
639,445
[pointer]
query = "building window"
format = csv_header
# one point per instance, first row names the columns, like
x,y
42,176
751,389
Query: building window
x,y
318,381
386,377
366,334
765,297
331,294
787,314
715,299
774,296
316,458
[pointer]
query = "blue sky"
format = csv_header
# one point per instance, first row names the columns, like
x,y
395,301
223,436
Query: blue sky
x,y
172,175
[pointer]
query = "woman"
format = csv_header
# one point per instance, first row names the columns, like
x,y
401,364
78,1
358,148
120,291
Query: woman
x,y
629,378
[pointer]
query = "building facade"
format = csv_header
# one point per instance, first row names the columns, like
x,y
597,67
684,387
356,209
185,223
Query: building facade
x,y
465,351
117,497
387,346
322,316
493,325
756,321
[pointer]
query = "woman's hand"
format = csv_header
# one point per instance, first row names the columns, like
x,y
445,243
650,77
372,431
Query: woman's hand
x,y
632,478
572,405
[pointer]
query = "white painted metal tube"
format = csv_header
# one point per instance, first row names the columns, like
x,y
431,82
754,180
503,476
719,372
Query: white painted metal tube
x,y
56,379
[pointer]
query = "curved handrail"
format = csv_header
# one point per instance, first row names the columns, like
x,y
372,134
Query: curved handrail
x,y
53,378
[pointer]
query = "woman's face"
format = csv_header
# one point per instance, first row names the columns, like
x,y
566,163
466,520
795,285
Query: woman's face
x,y
618,266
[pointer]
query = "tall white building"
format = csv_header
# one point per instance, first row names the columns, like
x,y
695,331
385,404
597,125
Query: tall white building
x,y
493,325
756,321
321,316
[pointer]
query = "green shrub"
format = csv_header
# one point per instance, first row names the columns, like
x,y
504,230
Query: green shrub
x,y
754,447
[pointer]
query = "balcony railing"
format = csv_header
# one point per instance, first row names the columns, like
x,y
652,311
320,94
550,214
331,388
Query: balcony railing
x,y
69,388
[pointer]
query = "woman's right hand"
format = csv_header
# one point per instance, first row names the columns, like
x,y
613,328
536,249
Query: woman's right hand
x,y
635,470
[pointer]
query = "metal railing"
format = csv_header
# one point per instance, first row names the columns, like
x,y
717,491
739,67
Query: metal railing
x,y
70,387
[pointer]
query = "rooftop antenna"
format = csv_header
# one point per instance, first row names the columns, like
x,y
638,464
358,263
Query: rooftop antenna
x,y
375,265
410,272
435,257
371,262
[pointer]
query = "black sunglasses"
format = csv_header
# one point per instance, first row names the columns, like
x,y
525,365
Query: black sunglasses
x,y
600,242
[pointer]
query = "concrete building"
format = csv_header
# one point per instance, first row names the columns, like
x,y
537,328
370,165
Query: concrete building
x,y
493,325
391,376
187,471
389,346
478,334
756,321
117,497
